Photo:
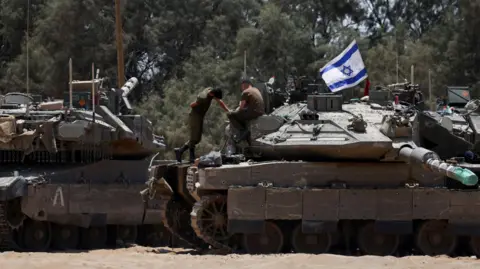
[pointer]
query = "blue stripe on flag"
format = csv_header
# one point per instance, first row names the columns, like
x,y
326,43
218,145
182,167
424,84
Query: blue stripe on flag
x,y
342,60
348,81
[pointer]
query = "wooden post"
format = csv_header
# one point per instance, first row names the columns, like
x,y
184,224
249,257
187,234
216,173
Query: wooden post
x,y
27,47
70,86
119,38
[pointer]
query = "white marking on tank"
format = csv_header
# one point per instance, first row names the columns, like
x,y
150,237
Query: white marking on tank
x,y
58,193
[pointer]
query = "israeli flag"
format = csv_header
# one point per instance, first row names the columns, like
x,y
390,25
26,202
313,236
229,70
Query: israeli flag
x,y
346,70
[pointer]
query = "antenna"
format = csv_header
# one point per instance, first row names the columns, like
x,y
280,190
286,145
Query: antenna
x,y
70,86
93,91
396,53
396,59
244,63
432,103
412,73
93,109
28,54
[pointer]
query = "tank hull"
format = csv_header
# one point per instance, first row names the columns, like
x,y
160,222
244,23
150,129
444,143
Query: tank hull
x,y
99,199
318,207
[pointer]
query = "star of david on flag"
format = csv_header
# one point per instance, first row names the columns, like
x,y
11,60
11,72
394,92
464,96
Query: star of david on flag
x,y
346,70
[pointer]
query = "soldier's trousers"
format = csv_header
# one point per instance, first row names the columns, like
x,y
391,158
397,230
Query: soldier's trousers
x,y
195,122
239,118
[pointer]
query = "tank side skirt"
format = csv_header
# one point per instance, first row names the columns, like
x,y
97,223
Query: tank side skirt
x,y
86,205
246,210
320,209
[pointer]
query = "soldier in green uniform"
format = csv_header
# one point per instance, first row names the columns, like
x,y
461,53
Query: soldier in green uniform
x,y
197,113
251,107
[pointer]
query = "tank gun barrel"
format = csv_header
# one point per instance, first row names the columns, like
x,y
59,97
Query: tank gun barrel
x,y
398,84
433,162
129,86
126,89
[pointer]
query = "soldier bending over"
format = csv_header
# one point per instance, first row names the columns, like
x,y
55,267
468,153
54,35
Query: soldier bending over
x,y
198,110
251,107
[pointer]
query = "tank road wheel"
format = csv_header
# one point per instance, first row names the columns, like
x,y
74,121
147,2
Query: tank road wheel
x,y
475,245
65,237
310,243
94,237
434,237
371,242
270,242
14,215
177,219
6,234
127,233
36,235
212,219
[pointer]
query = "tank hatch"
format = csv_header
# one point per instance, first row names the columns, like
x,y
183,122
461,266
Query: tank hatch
x,y
324,102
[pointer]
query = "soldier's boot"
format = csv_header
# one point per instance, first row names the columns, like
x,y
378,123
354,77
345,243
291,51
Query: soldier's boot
x,y
179,152
192,155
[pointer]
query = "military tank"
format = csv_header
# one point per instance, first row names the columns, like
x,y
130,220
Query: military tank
x,y
452,129
70,175
324,176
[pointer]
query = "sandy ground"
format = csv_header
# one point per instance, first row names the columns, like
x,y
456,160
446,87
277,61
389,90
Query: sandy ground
x,y
140,257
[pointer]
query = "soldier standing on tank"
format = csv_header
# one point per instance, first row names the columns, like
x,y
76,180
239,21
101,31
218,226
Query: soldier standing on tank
x,y
251,107
197,113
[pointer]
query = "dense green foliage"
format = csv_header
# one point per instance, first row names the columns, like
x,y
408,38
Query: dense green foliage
x,y
176,48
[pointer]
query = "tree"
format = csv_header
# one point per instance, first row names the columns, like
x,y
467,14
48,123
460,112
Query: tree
x,y
462,63
13,27
76,29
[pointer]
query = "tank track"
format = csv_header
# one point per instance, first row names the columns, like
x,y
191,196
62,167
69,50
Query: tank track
x,y
173,209
196,214
11,236
6,232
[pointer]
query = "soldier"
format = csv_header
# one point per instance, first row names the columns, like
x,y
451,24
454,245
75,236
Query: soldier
x,y
197,113
251,107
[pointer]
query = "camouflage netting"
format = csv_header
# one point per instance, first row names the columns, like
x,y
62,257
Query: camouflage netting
x,y
7,128
10,140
